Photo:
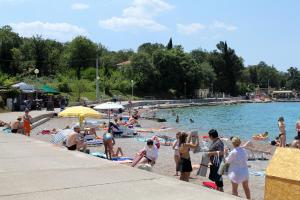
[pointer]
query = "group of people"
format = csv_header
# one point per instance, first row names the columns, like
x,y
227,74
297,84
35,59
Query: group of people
x,y
22,124
236,159
280,141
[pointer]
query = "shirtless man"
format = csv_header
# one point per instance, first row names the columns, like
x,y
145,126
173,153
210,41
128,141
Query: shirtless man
x,y
16,126
74,141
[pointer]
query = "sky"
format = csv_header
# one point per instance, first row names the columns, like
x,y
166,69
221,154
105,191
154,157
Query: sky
x,y
258,30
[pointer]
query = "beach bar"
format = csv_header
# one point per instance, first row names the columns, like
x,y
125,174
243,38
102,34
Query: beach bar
x,y
283,175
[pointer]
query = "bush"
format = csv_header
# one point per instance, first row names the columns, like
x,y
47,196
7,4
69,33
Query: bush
x,y
64,87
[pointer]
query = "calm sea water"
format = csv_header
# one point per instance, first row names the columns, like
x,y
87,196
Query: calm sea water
x,y
243,120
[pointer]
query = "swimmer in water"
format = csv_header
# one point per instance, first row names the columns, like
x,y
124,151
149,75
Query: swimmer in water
x,y
191,120
177,119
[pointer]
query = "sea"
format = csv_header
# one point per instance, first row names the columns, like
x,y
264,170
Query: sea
x,y
243,120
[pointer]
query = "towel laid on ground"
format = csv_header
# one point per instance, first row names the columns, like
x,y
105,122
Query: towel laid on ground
x,y
116,159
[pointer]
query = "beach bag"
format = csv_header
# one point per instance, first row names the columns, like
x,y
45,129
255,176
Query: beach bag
x,y
203,166
223,169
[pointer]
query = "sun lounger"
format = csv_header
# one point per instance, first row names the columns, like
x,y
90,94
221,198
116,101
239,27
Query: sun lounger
x,y
256,151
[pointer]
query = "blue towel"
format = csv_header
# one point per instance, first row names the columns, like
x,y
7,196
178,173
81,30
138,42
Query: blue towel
x,y
121,159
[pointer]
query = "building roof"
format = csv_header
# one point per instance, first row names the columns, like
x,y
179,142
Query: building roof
x,y
24,87
128,62
282,91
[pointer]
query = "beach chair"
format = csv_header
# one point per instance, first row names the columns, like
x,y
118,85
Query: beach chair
x,y
259,152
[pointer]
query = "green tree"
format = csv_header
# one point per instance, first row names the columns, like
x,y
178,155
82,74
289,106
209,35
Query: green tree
x,y
81,53
9,40
170,44
228,67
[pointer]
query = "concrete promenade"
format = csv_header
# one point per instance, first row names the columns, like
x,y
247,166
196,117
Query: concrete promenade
x,y
32,169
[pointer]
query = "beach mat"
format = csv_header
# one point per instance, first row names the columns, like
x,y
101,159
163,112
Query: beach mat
x,y
117,159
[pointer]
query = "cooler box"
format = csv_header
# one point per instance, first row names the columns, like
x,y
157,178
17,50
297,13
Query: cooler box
x,y
283,175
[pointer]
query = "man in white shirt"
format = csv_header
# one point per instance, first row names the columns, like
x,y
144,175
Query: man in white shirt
x,y
151,153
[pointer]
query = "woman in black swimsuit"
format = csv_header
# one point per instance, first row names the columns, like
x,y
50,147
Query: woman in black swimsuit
x,y
185,164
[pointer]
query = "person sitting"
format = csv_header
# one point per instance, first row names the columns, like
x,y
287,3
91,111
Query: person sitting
x,y
16,126
275,142
151,153
74,141
296,143
114,129
115,154
93,132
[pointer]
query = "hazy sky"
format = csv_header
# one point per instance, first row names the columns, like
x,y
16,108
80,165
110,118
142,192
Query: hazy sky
x,y
258,30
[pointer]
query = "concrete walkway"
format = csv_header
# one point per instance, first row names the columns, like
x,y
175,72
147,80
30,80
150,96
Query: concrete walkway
x,y
11,116
32,169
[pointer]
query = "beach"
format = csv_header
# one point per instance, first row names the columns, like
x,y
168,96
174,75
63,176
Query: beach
x,y
165,164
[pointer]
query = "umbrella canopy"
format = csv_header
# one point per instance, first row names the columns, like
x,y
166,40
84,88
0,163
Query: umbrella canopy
x,y
49,90
80,112
24,87
109,106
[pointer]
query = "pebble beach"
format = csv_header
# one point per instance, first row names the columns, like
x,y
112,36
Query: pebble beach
x,y
165,164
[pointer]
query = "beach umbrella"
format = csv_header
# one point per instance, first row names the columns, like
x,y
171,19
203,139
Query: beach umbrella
x,y
61,136
81,112
109,106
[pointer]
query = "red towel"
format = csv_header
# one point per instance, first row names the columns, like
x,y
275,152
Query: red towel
x,y
210,185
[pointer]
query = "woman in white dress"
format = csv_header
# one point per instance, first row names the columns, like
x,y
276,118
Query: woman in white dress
x,y
238,170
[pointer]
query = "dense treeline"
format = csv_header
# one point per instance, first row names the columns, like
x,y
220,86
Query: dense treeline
x,y
156,69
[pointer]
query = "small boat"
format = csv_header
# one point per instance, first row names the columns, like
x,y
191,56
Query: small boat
x,y
261,137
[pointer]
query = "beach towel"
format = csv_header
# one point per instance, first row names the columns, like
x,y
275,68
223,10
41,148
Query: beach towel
x,y
94,142
210,185
120,160
99,154
257,173
45,132
61,136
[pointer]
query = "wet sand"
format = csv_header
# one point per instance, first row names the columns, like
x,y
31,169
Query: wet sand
x,y
165,164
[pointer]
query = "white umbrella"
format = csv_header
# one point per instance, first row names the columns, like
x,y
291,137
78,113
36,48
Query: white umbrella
x,y
109,106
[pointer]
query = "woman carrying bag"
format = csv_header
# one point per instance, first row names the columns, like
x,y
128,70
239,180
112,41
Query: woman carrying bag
x,y
215,154
238,169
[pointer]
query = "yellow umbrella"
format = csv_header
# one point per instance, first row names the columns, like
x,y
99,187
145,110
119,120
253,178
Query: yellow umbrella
x,y
80,112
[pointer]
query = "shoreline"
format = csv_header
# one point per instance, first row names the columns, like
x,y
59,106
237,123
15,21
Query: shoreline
x,y
165,164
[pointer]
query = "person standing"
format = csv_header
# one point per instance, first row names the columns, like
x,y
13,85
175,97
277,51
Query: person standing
x,y
215,154
176,152
298,128
27,122
282,132
238,169
177,119
185,164
194,139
